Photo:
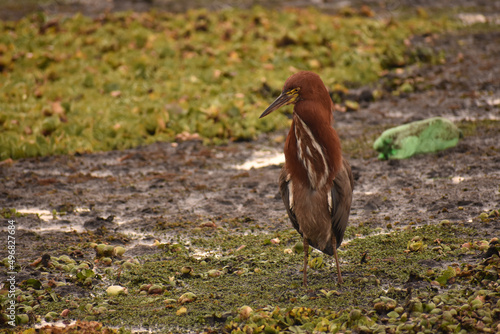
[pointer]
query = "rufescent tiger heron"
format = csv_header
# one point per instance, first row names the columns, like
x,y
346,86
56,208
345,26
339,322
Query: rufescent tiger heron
x,y
316,182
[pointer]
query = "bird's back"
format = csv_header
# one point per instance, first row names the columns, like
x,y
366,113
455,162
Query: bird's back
x,y
318,214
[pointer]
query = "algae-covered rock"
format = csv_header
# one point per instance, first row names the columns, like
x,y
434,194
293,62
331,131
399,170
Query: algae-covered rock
x,y
181,311
118,251
429,135
116,290
188,297
245,312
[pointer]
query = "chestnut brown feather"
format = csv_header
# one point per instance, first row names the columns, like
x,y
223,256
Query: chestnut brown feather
x,y
315,183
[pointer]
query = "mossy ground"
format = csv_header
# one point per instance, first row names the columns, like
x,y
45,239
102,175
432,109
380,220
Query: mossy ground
x,y
78,84
387,278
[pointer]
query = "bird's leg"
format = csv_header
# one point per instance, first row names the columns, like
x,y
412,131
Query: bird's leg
x,y
339,275
306,258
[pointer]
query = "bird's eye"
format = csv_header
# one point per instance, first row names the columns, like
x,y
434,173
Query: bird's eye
x,y
293,91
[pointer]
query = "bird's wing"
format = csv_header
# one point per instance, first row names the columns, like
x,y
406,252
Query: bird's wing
x,y
287,196
340,201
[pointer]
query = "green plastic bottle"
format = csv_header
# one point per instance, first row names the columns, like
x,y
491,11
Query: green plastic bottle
x,y
429,135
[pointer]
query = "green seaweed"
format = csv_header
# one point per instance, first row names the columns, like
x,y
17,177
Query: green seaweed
x,y
76,84
203,283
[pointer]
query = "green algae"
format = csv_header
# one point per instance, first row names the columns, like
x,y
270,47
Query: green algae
x,y
129,79
479,127
387,284
8,213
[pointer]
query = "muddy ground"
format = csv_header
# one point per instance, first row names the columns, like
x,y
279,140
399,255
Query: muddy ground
x,y
154,192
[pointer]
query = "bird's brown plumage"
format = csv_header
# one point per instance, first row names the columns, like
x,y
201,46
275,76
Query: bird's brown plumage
x,y
316,182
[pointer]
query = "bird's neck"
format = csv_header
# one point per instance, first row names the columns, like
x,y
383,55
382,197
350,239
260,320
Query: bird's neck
x,y
312,152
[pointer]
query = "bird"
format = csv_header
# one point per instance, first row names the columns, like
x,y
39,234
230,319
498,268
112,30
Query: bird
x,y
316,182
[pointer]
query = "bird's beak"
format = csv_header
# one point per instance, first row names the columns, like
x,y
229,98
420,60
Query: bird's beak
x,y
282,100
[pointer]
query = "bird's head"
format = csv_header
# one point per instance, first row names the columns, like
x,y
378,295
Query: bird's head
x,y
301,86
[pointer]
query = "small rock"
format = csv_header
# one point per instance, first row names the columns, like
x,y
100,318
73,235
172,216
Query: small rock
x,y
51,316
115,290
188,297
186,270
245,312
66,259
155,289
393,314
170,303
417,307
298,247
355,314
351,105
99,249
214,273
118,251
181,311
24,318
